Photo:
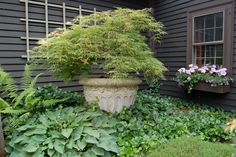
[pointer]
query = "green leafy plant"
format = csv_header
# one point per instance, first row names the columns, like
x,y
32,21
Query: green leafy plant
x,y
209,74
20,103
70,132
49,91
155,119
117,44
192,146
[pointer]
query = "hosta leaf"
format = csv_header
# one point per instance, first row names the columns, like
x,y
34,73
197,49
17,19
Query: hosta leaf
x,y
108,144
55,134
19,139
44,120
50,152
59,146
50,145
91,132
31,147
25,127
38,153
20,154
98,151
66,132
39,130
91,139
107,154
89,153
81,144
77,133
56,154
71,153
70,144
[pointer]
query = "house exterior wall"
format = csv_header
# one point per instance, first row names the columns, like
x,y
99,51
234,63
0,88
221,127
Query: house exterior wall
x,y
173,49
12,47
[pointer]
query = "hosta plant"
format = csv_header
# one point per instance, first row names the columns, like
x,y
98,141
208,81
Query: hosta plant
x,y
117,44
211,74
67,132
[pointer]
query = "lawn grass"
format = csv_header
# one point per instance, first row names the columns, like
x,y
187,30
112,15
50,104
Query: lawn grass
x,y
192,147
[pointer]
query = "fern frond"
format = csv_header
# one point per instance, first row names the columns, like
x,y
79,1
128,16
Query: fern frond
x,y
33,82
8,85
3,104
28,91
26,79
31,102
22,96
16,121
52,102
12,111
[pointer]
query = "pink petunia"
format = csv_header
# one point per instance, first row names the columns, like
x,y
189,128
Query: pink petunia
x,y
192,70
190,65
188,72
182,70
202,70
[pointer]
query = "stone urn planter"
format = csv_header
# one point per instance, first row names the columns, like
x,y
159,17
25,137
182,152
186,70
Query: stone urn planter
x,y
112,94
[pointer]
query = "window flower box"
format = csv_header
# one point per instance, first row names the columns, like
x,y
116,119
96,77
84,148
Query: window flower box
x,y
208,78
206,87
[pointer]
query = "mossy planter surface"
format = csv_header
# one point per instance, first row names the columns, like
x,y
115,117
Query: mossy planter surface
x,y
112,94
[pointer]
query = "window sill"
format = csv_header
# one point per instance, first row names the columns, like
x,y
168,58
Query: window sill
x,y
208,88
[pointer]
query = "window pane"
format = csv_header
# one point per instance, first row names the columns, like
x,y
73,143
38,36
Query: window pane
x,y
199,23
200,51
219,50
199,54
219,19
198,36
219,61
209,35
210,61
200,62
210,51
218,34
209,21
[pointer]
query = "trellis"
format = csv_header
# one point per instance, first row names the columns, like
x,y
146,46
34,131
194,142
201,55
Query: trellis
x,y
47,6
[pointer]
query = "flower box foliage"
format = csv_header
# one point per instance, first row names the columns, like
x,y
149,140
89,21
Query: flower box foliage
x,y
210,78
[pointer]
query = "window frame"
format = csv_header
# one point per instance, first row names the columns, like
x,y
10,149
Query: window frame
x,y
227,38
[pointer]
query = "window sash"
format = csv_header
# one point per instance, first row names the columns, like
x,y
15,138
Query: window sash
x,y
204,28
206,56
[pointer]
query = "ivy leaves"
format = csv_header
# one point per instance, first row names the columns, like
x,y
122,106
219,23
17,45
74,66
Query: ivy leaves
x,y
65,132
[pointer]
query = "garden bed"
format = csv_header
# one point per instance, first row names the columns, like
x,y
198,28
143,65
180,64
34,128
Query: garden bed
x,y
152,121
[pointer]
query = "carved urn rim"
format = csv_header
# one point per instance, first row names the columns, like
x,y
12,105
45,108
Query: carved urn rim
x,y
110,82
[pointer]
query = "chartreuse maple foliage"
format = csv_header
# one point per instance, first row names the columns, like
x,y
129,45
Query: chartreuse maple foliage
x,y
117,44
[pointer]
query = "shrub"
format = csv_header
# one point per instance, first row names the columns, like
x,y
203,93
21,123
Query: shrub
x,y
192,147
70,132
155,119
116,43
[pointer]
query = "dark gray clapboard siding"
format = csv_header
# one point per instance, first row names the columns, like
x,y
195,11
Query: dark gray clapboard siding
x,y
11,29
172,51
